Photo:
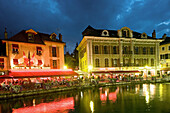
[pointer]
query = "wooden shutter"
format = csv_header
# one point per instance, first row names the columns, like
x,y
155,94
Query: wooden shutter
x,y
50,51
58,64
51,63
57,51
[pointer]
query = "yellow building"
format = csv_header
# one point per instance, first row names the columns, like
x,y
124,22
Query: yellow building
x,y
165,55
29,49
120,51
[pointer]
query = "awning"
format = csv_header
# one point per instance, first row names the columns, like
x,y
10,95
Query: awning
x,y
110,72
165,69
34,73
6,76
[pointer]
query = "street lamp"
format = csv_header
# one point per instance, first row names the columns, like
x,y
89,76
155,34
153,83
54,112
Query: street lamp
x,y
65,67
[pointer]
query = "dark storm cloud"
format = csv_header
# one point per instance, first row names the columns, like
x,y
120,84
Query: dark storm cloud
x,y
71,17
145,15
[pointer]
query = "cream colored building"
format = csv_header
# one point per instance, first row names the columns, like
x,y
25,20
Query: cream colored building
x,y
119,50
29,49
165,55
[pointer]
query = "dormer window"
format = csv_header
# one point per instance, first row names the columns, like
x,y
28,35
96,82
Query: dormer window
x,y
105,33
143,35
125,33
53,36
31,34
30,37
39,51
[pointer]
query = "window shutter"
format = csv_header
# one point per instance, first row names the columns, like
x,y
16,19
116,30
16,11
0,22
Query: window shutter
x,y
58,64
51,63
57,51
50,51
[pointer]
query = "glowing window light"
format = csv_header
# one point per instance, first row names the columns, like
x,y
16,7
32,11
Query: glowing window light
x,y
33,102
92,106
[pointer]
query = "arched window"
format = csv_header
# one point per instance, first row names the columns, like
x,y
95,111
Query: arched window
x,y
97,63
125,33
152,62
144,62
105,33
106,62
96,49
143,35
136,50
114,50
144,50
105,50
151,50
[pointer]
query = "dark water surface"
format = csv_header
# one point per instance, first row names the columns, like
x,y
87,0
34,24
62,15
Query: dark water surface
x,y
141,98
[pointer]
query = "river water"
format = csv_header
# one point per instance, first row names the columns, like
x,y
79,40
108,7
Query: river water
x,y
141,98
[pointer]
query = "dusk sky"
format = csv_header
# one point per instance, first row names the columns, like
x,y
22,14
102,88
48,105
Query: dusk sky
x,y
71,17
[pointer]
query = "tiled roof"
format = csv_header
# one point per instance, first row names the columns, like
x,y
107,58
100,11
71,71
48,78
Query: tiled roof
x,y
166,41
90,31
39,38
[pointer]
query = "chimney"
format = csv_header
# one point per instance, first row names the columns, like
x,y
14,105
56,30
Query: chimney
x,y
154,34
60,37
5,34
164,36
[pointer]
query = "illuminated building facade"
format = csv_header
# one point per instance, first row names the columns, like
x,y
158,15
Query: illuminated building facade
x,y
29,49
165,55
115,50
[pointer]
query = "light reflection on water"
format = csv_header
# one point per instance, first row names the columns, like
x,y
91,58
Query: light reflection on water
x,y
125,98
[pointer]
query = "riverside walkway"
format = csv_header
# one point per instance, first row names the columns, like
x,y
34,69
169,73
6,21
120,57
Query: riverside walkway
x,y
36,89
